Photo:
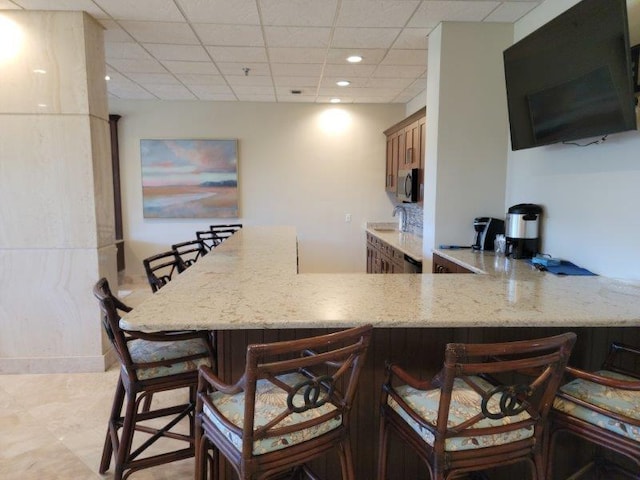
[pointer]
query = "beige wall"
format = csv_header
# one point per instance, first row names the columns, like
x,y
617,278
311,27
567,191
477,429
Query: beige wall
x,y
293,170
466,130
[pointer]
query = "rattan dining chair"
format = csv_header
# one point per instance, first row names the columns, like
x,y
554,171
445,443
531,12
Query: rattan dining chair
x,y
162,268
602,408
149,363
486,408
190,251
291,405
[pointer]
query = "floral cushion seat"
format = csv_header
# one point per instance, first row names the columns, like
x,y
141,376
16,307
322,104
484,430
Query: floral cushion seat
x,y
143,351
270,402
465,404
623,402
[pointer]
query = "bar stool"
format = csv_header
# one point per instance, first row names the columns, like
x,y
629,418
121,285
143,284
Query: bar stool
x,y
486,408
190,252
292,404
149,363
602,408
209,239
161,268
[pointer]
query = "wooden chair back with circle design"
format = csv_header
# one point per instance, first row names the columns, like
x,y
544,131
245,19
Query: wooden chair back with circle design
x,y
327,368
508,389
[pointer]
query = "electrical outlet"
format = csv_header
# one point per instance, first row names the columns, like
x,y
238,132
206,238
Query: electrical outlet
x,y
347,218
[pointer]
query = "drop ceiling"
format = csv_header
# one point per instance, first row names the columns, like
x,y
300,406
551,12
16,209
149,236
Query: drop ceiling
x,y
262,50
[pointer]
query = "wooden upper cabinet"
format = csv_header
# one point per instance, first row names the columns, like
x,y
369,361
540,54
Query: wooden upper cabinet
x,y
406,148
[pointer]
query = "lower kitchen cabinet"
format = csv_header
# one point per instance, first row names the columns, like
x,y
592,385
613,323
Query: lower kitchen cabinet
x,y
443,265
382,257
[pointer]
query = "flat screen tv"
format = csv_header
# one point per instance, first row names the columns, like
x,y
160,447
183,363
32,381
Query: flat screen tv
x,y
571,79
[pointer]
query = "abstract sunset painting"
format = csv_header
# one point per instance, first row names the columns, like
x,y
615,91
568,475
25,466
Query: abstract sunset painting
x,y
189,178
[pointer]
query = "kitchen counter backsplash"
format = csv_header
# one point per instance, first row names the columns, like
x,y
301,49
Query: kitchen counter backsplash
x,y
414,218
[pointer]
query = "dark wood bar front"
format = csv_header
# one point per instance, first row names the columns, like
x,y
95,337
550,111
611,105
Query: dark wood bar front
x,y
420,351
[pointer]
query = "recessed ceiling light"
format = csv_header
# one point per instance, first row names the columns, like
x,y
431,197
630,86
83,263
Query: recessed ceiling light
x,y
335,100
39,70
343,83
107,78
354,59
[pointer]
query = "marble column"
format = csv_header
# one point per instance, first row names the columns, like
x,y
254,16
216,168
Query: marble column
x,y
56,198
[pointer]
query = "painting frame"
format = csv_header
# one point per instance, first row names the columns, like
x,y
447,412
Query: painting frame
x,y
189,178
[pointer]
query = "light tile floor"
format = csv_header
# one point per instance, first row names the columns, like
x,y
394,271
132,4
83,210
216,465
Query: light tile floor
x,y
53,426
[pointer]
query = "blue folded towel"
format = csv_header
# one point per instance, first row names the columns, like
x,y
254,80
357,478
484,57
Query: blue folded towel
x,y
565,268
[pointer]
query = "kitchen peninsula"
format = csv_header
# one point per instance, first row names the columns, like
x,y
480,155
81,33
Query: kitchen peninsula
x,y
251,281
249,291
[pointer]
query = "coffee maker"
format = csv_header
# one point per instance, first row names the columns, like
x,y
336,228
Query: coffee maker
x,y
486,230
523,230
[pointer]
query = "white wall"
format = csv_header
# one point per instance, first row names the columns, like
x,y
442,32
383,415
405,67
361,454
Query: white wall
x,y
590,195
291,172
467,125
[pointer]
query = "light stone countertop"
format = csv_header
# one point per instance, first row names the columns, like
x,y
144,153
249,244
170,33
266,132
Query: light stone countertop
x,y
250,281
407,243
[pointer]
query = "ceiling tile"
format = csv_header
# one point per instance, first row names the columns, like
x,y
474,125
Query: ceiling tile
x,y
364,37
432,12
288,98
152,52
296,69
238,54
206,68
247,81
113,32
236,12
130,92
405,57
161,32
231,35
297,55
171,92
370,56
297,36
299,82
153,78
136,66
300,13
73,5
257,98
244,90
389,82
192,79
142,10
188,53
233,68
413,38
349,71
392,71
200,90
128,50
511,11
375,13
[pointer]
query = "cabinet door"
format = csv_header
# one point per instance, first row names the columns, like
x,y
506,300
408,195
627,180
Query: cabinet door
x,y
412,146
393,153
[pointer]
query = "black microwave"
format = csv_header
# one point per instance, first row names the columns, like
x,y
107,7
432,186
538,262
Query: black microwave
x,y
407,188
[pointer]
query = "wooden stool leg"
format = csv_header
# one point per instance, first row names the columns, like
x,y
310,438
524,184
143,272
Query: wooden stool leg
x,y
116,409
382,450
126,436
346,460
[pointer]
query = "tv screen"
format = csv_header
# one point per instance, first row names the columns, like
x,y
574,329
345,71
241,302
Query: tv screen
x,y
571,78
